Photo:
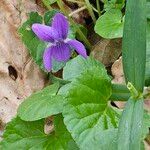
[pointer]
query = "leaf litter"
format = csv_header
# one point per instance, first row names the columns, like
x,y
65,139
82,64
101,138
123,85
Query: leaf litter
x,y
19,75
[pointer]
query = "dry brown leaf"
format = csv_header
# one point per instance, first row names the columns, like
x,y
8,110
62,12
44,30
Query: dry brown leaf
x,y
49,125
117,71
147,146
19,75
107,51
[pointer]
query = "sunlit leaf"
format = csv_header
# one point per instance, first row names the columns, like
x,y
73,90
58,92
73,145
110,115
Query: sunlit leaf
x,y
21,135
41,104
87,114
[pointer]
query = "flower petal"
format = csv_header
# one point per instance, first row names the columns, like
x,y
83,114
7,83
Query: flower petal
x,y
60,24
44,32
47,59
79,47
61,52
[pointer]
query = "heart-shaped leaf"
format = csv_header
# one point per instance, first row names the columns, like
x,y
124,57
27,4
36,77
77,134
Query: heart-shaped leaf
x,y
110,25
23,135
87,115
78,65
41,104
33,44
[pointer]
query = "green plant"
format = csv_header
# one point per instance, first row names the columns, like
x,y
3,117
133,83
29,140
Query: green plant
x,y
80,102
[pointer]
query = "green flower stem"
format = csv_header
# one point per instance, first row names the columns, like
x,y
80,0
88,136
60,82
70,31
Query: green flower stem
x,y
76,1
98,7
94,9
61,6
105,1
85,40
47,6
90,10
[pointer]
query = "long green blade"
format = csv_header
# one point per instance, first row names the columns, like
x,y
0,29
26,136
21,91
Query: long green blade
x,y
134,58
137,123
125,126
119,93
130,126
134,43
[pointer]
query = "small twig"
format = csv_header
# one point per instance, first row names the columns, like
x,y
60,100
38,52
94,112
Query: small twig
x,y
94,9
89,7
61,6
98,7
76,1
47,6
77,11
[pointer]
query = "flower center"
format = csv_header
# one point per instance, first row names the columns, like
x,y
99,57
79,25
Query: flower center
x,y
60,41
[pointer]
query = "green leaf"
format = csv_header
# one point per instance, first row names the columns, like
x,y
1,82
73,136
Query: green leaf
x,y
78,65
134,43
72,32
110,25
41,104
137,125
87,115
148,10
147,71
119,93
146,124
57,65
134,59
55,79
34,45
49,15
74,28
23,135
49,2
64,90
130,126
113,4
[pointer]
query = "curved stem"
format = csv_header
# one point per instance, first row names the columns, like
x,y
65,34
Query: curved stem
x,y
76,1
98,7
61,6
90,10
46,5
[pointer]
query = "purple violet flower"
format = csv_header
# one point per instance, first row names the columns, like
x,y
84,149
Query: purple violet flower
x,y
60,46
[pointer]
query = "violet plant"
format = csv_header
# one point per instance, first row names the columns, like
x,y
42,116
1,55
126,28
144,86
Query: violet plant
x,y
80,103
60,46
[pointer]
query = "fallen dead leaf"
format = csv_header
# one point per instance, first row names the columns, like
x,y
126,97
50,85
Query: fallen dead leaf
x,y
117,72
49,125
107,51
19,75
